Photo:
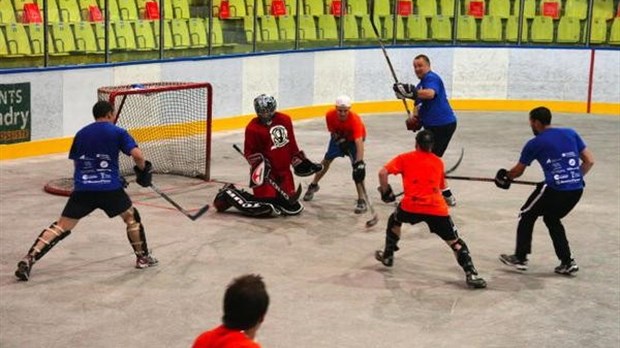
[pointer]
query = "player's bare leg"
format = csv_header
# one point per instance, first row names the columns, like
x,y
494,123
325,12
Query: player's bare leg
x,y
361,205
314,185
137,238
46,240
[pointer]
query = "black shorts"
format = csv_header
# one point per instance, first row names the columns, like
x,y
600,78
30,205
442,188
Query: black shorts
x,y
440,225
442,134
82,203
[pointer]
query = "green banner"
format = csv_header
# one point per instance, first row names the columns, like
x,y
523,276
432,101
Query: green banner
x,y
15,116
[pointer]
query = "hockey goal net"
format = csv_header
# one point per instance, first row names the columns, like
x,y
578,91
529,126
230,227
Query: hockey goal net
x,y
170,121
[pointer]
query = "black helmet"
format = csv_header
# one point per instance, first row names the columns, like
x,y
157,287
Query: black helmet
x,y
265,107
425,140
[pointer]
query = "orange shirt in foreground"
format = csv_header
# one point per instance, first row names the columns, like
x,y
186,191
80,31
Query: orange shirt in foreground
x,y
222,337
423,179
352,128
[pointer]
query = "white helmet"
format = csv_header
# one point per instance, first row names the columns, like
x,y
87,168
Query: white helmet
x,y
343,101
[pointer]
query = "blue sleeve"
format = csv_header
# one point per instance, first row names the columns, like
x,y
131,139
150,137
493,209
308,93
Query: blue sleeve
x,y
127,142
581,145
433,82
527,154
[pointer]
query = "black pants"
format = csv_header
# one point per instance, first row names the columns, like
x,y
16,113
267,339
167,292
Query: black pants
x,y
552,205
442,134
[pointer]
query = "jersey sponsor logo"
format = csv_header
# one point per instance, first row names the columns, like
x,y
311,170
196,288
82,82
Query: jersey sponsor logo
x,y
279,136
572,162
104,164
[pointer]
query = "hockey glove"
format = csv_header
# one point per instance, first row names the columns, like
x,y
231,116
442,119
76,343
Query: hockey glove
x,y
502,180
387,196
359,171
144,177
413,124
303,166
260,168
405,90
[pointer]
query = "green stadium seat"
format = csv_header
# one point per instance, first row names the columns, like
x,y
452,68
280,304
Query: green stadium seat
x,y
17,40
7,14
512,30
467,29
85,40
286,28
426,8
128,10
441,28
64,40
307,28
328,30
388,28
53,14
237,8
381,8
614,35
366,30
181,8
69,11
35,33
180,33
499,8
576,9
357,7
598,32
115,14
125,37
314,7
217,35
269,28
197,32
491,29
168,43
417,28
529,8
100,35
145,40
542,29
4,50
351,31
248,28
569,30
603,9
260,8
447,8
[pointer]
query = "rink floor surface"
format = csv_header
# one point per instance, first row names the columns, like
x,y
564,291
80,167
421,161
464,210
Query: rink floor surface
x,y
326,288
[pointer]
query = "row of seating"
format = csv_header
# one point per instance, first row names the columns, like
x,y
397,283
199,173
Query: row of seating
x,y
19,39
533,8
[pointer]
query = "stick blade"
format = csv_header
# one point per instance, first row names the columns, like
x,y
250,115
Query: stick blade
x,y
372,221
199,213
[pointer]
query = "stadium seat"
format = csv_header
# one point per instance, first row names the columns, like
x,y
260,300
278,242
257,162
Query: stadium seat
x,y
125,38
388,28
307,28
168,43
53,15
35,33
328,30
366,31
512,30
85,4
441,28
69,11
357,7
576,9
217,36
491,29
614,36
4,50
381,8
286,28
32,14
499,8
542,29
269,28
237,8
529,8
603,9
128,10
180,8
467,29
550,8
248,28
404,8
314,7
197,32
260,8
447,8
180,33
142,8
7,14
17,40
417,28
64,40
85,40
351,30
145,41
569,30
426,8
100,35
598,32
274,8
115,14
475,8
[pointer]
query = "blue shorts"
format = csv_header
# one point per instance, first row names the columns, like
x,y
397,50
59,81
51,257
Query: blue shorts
x,y
333,150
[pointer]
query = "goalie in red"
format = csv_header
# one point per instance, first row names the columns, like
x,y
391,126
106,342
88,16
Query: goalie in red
x,y
271,149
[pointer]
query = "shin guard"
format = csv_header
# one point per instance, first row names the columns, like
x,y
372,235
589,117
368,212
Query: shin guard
x,y
391,238
48,237
462,256
135,233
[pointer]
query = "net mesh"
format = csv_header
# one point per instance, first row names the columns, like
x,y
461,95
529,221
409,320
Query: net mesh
x,y
170,121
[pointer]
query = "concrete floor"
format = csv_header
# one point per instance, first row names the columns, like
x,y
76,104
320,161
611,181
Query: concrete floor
x,y
326,288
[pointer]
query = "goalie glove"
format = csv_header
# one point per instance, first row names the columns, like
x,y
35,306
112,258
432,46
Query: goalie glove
x,y
260,168
387,196
144,177
303,166
502,180
359,171
405,90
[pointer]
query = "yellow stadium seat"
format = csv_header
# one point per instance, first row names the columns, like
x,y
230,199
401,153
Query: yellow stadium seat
x,y
181,8
197,32
512,30
115,14
351,30
100,35
35,33
491,29
357,7
168,43
569,30
614,36
467,29
4,50
499,8
426,8
145,40
64,40
17,40
441,28
128,10
237,8
388,28
217,36
248,28
85,40
328,30
260,8
286,28
576,9
529,8
307,28
7,14
125,38
314,7
366,30
381,8
269,28
447,8
603,9
542,29
69,11
180,33
417,28
598,32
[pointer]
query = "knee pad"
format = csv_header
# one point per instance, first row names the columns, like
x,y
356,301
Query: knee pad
x,y
49,237
135,233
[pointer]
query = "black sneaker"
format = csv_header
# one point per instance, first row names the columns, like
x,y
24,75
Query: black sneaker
x,y
360,207
23,270
146,261
567,268
513,260
474,281
387,261
312,188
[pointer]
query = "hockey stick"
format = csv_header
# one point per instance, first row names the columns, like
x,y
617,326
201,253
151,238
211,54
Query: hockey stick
x,y
275,185
387,58
520,182
192,217
375,218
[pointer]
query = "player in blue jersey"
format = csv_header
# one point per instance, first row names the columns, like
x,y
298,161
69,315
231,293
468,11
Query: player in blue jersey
x,y
98,185
432,110
565,160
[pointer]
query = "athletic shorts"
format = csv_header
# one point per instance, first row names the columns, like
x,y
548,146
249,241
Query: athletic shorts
x,y
442,134
333,150
440,225
82,203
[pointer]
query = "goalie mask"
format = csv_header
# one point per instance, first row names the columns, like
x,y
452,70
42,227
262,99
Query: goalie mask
x,y
265,106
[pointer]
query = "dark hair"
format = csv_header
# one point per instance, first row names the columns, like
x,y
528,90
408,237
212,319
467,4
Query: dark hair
x,y
245,302
424,57
541,114
102,108
425,140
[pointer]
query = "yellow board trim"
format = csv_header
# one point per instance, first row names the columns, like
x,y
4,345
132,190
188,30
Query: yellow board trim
x,y
62,145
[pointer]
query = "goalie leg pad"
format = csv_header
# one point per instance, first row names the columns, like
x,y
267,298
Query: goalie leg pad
x,y
461,251
245,203
135,232
290,209
46,240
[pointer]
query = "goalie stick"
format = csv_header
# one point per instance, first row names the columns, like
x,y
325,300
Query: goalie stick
x,y
192,217
291,199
